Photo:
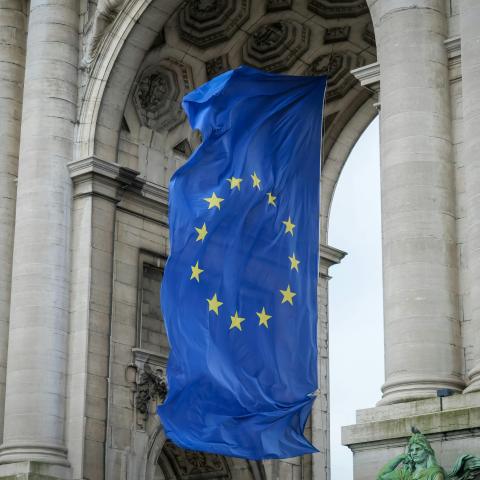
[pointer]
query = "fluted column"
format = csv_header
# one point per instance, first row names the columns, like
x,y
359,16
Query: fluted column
x,y
12,67
422,333
470,38
37,348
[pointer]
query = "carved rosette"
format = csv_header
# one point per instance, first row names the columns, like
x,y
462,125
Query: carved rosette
x,y
338,8
190,465
207,22
277,45
158,93
337,67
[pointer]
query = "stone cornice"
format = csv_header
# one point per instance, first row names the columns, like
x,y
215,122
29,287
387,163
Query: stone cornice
x,y
454,47
368,76
93,176
329,256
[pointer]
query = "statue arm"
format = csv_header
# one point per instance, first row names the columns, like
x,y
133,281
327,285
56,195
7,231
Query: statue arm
x,y
388,471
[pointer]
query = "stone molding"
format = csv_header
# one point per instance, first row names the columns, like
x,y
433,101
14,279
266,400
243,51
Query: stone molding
x,y
453,46
368,76
92,176
329,256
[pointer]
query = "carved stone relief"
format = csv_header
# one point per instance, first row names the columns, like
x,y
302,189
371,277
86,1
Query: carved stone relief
x,y
277,45
189,465
102,18
336,34
216,65
151,386
158,94
338,8
337,67
208,22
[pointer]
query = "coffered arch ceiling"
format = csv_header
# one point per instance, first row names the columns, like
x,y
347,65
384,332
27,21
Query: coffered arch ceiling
x,y
156,51
204,38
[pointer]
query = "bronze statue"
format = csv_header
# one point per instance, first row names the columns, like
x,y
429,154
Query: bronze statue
x,y
419,463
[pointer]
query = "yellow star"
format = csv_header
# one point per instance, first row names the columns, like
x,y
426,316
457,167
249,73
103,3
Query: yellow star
x,y
294,263
234,182
256,181
271,199
263,317
213,201
289,226
196,271
214,303
202,232
236,321
287,295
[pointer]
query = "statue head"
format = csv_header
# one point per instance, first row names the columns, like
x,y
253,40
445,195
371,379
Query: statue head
x,y
420,451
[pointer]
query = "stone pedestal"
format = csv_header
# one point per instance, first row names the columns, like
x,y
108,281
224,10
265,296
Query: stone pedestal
x,y
451,424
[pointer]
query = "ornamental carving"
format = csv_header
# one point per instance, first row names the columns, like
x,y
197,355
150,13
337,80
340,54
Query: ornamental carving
x,y
208,22
190,465
338,8
276,46
158,94
336,34
337,67
216,66
103,16
151,385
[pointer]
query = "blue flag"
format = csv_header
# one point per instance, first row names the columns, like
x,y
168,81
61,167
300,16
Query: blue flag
x,y
239,293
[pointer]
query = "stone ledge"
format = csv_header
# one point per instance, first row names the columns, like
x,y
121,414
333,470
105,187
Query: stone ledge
x,y
458,415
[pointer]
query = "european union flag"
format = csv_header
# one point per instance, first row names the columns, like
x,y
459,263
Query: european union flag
x,y
239,293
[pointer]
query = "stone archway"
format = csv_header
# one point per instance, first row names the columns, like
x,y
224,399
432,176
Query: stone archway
x,y
153,52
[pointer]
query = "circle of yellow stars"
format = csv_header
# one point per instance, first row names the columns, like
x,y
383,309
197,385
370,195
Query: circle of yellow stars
x,y
214,303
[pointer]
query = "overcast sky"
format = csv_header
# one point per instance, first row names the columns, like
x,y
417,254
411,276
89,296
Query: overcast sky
x,y
355,293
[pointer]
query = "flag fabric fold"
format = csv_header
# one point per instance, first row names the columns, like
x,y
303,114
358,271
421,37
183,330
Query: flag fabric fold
x,y
239,293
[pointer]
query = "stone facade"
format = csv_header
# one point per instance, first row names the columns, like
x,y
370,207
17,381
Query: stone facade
x,y
91,131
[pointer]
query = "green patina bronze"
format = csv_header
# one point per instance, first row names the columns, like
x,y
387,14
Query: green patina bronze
x,y
419,463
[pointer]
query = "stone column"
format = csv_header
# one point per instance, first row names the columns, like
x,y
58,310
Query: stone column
x,y
37,348
422,337
470,38
12,67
